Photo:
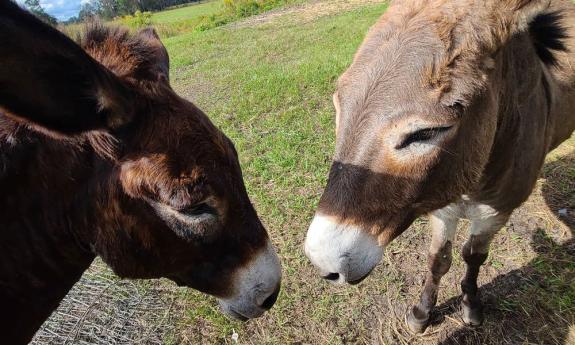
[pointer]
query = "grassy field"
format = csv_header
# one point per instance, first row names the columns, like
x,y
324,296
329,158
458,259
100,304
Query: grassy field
x,y
180,20
201,16
267,82
194,11
197,16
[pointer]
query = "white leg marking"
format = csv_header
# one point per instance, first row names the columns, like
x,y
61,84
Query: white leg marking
x,y
443,228
486,226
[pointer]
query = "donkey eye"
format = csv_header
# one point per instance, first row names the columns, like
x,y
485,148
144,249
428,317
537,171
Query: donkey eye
x,y
198,210
421,135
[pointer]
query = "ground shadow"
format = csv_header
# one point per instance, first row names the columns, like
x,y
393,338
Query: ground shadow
x,y
534,304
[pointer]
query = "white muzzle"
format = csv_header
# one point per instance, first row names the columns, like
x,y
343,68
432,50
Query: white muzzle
x,y
343,253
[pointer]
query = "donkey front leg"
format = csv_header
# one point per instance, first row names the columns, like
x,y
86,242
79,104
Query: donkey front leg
x,y
475,252
443,227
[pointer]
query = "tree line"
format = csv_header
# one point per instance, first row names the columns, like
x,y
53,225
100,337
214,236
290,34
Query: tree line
x,y
106,9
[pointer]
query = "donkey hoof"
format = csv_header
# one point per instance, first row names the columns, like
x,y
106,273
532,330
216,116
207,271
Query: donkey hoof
x,y
472,316
416,324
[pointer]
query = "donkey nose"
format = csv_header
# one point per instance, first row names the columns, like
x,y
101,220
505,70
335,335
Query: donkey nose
x,y
343,253
258,286
271,300
331,276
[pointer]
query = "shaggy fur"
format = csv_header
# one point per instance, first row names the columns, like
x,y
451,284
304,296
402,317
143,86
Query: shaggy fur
x,y
496,71
92,138
450,105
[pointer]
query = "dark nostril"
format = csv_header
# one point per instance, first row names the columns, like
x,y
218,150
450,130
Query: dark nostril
x,y
271,300
332,276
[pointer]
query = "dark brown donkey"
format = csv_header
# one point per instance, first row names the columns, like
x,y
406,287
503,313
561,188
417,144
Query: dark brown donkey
x,y
449,108
99,156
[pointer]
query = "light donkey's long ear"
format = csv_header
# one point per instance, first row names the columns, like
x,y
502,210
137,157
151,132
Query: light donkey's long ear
x,y
521,13
544,23
49,81
512,17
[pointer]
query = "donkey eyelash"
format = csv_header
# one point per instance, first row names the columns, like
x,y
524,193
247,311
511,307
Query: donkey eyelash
x,y
458,106
194,214
422,135
198,210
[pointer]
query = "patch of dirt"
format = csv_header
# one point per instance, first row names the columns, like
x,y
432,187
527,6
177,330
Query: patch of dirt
x,y
305,12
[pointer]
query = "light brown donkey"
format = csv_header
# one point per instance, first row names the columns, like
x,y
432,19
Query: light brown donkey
x,y
449,108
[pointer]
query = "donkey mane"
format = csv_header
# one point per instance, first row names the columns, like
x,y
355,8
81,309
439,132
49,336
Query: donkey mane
x,y
472,33
128,55
135,58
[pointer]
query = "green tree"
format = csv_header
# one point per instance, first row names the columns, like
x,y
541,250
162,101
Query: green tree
x,y
87,10
108,8
36,9
127,6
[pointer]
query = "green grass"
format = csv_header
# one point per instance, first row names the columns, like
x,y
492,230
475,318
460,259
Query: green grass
x,y
272,87
268,88
194,11
204,16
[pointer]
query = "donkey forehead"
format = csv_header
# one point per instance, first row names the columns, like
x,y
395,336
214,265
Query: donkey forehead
x,y
156,170
156,176
176,127
190,154
391,73
390,90
419,55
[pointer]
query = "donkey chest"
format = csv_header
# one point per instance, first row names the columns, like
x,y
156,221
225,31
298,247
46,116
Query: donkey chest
x,y
466,208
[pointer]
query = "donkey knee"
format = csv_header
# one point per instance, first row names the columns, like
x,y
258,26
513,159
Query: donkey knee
x,y
440,262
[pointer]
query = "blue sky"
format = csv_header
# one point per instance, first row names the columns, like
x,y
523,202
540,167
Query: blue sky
x,y
61,9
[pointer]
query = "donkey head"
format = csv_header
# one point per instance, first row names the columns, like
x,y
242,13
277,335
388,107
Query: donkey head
x,y
416,117
166,196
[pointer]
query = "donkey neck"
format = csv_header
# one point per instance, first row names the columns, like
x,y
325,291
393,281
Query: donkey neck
x,y
524,131
43,211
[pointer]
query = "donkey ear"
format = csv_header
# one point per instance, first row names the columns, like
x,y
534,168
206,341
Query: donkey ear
x,y
524,12
49,81
158,60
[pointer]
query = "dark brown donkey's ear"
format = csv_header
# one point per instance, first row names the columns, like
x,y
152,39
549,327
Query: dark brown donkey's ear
x,y
158,59
49,81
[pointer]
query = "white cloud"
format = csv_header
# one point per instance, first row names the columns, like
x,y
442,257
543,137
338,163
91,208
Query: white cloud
x,y
62,9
